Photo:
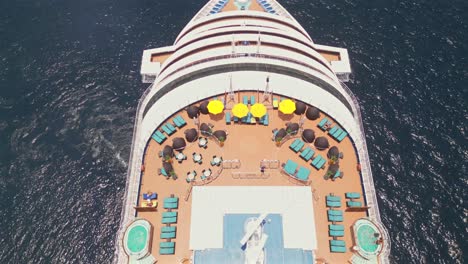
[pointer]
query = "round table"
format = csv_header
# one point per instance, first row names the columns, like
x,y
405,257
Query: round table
x,y
207,173
191,176
197,157
217,160
202,142
180,156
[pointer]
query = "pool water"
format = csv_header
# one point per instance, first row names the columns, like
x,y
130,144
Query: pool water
x,y
137,236
367,239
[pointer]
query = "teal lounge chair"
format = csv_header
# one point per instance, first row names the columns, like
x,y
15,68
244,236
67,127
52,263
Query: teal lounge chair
x,y
337,133
176,122
252,100
157,139
290,167
303,174
294,144
166,251
353,195
169,214
171,127
166,244
305,152
167,130
245,100
167,235
333,130
322,123
337,243
299,146
320,164
168,229
333,198
163,172
171,199
160,135
353,204
228,118
265,120
335,218
333,204
181,121
341,136
337,249
335,233
169,220
336,227
334,212
170,205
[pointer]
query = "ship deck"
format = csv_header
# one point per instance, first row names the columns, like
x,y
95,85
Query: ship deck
x,y
250,144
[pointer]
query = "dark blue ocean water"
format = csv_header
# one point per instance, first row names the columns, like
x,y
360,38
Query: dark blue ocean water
x,y
69,86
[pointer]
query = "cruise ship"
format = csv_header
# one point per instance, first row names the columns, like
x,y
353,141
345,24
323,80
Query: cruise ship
x,y
249,148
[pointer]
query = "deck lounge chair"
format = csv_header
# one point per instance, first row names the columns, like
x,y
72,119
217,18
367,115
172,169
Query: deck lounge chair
x,y
290,167
303,174
160,135
338,174
305,153
335,218
335,212
252,100
333,204
337,249
341,136
171,199
320,164
167,130
294,144
245,100
337,133
322,123
353,195
169,220
171,127
333,198
228,118
169,214
168,229
168,205
157,139
167,235
166,244
275,103
353,204
335,233
336,227
337,243
299,146
333,130
166,251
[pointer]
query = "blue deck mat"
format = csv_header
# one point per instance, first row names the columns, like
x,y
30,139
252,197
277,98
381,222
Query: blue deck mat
x,y
232,253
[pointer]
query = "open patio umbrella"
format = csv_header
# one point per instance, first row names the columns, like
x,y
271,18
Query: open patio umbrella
x,y
333,152
240,110
220,134
312,113
191,134
308,135
192,111
168,151
178,143
205,129
300,108
280,134
292,128
215,107
204,107
167,167
287,106
321,143
258,110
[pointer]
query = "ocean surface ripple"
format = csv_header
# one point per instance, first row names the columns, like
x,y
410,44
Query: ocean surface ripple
x,y
69,87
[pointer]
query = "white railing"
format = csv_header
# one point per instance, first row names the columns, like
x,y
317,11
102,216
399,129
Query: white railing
x,y
132,185
367,179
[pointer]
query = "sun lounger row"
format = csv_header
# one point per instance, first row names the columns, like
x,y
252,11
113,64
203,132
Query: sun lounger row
x,y
166,248
352,195
179,121
307,153
318,162
168,232
218,6
337,133
335,216
353,204
169,129
296,145
337,246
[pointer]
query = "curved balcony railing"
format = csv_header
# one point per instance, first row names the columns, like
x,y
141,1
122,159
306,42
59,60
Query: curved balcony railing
x,y
367,179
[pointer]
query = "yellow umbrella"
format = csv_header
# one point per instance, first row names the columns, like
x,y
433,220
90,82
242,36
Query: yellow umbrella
x,y
258,110
240,110
287,106
215,107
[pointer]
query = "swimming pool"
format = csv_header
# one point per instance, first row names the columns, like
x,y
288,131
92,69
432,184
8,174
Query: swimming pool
x,y
366,236
136,239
